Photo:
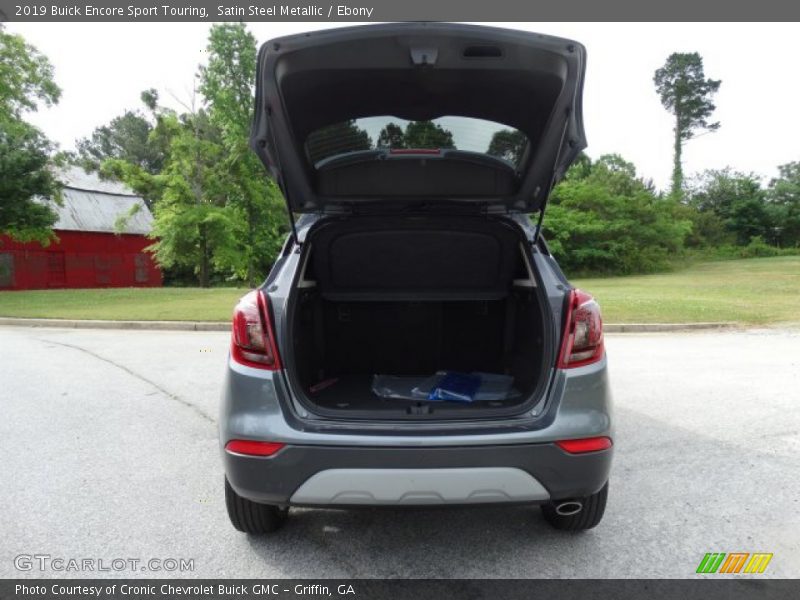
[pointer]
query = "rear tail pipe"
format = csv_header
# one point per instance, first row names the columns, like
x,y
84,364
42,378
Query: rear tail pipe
x,y
568,508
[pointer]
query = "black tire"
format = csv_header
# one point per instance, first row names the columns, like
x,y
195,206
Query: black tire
x,y
252,517
590,515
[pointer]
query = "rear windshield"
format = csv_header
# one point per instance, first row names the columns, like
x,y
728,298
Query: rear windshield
x,y
457,133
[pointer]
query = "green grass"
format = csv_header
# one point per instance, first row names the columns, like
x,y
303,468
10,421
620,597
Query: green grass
x,y
750,291
137,304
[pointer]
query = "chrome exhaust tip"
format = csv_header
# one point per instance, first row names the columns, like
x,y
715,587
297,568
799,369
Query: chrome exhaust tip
x,y
568,508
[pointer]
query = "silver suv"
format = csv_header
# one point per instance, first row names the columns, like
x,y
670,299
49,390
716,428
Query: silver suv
x,y
416,343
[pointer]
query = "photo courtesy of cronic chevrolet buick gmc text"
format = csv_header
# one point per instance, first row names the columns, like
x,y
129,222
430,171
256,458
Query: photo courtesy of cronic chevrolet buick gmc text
x,y
415,343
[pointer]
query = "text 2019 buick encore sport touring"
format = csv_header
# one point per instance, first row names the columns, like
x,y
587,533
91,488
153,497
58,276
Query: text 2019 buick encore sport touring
x,y
415,342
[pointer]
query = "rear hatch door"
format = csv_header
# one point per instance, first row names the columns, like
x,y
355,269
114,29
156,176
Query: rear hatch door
x,y
418,113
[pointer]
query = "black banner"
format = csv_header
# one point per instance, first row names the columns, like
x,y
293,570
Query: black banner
x,y
397,10
414,589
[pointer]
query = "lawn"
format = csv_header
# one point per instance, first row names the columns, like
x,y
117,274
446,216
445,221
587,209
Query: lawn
x,y
137,304
751,291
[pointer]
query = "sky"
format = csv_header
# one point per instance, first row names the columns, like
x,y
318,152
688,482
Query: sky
x,y
103,67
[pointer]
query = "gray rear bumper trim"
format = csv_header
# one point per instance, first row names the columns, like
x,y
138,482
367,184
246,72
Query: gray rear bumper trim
x,y
475,485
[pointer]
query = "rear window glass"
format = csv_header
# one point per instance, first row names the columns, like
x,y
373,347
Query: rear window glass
x,y
458,133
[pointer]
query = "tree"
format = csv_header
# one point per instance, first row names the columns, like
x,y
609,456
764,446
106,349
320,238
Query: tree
x,y
617,174
427,134
783,205
216,211
685,91
127,156
26,80
24,174
737,199
126,137
417,134
610,221
581,168
509,144
227,84
339,138
391,136
26,77
192,227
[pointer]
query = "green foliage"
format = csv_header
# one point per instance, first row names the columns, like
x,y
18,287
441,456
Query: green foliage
x,y
338,138
258,211
26,79
417,134
126,137
708,229
218,216
24,153
427,134
603,219
193,227
509,144
581,168
216,212
121,222
783,205
391,136
758,248
685,92
736,201
227,81
611,221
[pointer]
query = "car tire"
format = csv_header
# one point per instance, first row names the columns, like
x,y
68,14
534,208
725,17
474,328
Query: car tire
x,y
590,514
252,517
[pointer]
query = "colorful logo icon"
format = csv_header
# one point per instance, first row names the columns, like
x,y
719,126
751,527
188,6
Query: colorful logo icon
x,y
734,562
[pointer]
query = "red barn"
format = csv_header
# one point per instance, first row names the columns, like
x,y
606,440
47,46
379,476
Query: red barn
x,y
89,253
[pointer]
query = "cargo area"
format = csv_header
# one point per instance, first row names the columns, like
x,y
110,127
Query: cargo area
x,y
396,302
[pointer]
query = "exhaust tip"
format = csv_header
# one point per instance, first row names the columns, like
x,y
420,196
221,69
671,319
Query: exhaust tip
x,y
571,507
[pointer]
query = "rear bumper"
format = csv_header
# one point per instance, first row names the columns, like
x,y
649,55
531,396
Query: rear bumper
x,y
351,476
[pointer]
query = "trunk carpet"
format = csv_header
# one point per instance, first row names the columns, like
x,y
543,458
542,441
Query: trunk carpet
x,y
354,393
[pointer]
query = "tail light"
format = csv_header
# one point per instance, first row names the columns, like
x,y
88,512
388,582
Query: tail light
x,y
253,340
584,445
253,447
582,343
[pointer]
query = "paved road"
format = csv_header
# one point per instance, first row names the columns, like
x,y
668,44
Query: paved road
x,y
109,451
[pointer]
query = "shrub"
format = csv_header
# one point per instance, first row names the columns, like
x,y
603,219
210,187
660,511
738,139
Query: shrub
x,y
758,248
609,221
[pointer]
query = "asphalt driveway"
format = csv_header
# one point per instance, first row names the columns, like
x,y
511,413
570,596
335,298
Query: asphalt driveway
x,y
109,451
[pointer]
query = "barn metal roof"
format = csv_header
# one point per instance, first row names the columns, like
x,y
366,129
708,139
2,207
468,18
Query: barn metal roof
x,y
92,204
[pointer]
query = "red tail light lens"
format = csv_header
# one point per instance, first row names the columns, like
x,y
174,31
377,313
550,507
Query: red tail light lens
x,y
253,448
582,343
584,445
253,342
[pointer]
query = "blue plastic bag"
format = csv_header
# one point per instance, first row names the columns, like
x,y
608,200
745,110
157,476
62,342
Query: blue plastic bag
x,y
458,387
